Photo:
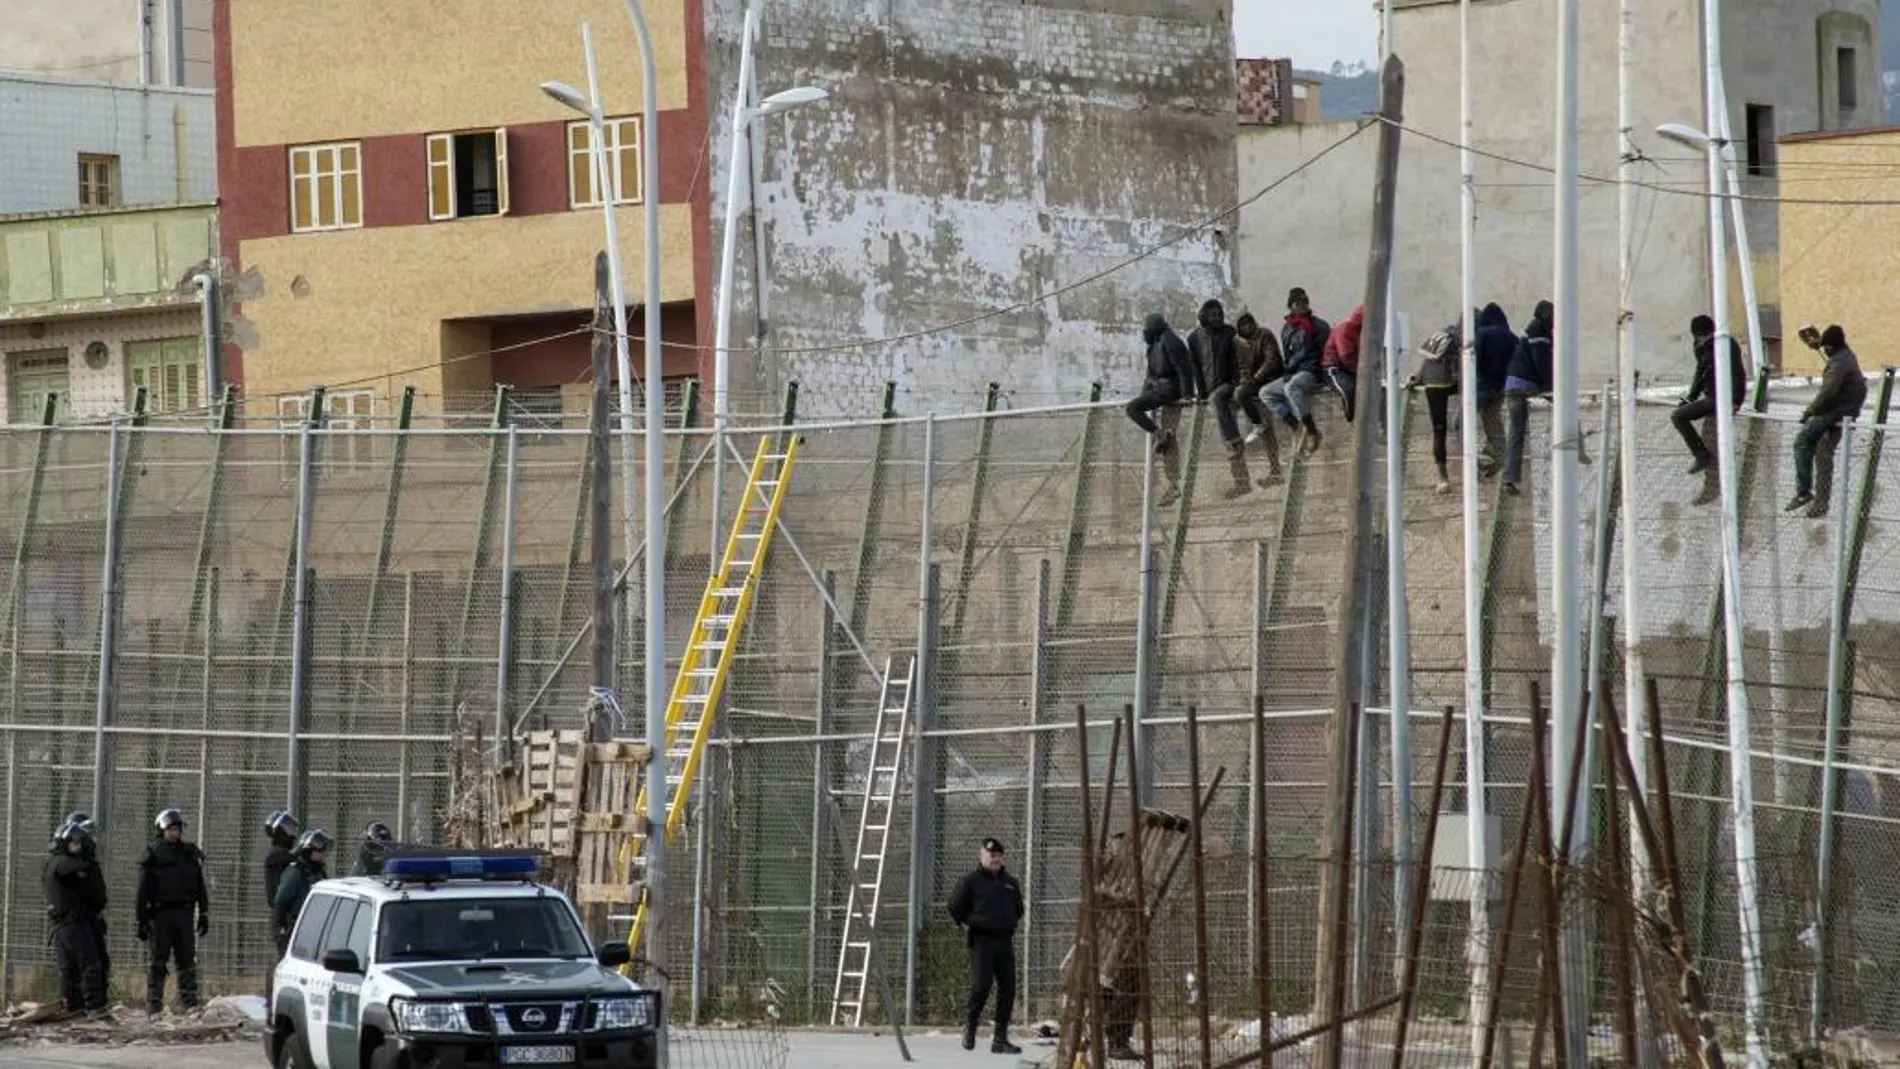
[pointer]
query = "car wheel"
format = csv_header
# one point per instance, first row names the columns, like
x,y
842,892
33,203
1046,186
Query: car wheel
x,y
383,1056
294,1053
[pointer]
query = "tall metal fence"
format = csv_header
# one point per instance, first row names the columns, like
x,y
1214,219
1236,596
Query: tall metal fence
x,y
226,621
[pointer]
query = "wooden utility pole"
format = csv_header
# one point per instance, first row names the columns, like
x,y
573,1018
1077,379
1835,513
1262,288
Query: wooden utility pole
x,y
1335,886
603,491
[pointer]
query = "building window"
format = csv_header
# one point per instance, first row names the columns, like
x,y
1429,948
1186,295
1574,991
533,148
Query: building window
x,y
31,377
1761,139
170,369
326,187
468,174
98,180
343,410
623,145
1847,76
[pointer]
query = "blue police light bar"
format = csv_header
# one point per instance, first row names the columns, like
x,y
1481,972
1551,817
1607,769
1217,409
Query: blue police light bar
x,y
461,867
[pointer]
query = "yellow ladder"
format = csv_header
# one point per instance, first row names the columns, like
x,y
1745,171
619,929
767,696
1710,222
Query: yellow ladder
x,y
708,657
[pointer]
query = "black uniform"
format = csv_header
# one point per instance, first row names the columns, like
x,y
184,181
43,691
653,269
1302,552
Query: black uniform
x,y
989,905
76,906
275,863
370,858
298,879
171,891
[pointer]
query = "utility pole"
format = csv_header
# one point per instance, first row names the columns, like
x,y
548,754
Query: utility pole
x,y
603,490
1355,589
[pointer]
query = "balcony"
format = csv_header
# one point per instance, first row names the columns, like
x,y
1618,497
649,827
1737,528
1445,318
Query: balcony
x,y
89,262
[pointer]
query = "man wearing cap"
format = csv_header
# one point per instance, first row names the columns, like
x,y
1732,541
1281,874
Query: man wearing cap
x,y
988,904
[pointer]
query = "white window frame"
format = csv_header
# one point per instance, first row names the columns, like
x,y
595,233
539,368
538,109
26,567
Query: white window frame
x,y
338,174
580,161
445,208
343,410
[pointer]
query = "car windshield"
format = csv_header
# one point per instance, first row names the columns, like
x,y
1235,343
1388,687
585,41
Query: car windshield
x,y
448,929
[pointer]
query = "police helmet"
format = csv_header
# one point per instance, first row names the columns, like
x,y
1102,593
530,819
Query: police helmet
x,y
82,818
281,820
312,841
169,818
73,831
377,832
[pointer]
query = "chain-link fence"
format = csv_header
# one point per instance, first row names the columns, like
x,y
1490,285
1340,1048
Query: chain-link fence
x,y
283,615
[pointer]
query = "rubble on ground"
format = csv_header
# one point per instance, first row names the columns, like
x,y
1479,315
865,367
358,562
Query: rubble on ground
x,y
231,1018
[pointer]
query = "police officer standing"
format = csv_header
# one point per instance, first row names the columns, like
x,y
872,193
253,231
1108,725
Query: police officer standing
x,y
988,904
76,906
374,851
171,890
305,871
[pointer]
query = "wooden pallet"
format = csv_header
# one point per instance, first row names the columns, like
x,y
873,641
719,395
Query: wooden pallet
x,y
608,820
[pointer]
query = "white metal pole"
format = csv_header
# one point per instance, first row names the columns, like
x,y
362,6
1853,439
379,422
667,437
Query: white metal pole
x,y
1477,846
728,252
1741,772
1635,723
1566,677
1399,636
1745,257
607,188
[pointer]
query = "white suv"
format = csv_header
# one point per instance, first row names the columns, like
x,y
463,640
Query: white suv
x,y
445,962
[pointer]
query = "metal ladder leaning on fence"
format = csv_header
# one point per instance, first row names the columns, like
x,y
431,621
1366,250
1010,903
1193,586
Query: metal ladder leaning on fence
x,y
707,660
883,773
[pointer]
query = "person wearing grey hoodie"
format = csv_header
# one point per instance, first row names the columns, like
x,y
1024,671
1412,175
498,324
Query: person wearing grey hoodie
x,y
1170,377
1843,394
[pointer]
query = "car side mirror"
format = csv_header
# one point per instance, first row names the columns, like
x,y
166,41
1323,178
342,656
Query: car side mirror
x,y
344,961
613,955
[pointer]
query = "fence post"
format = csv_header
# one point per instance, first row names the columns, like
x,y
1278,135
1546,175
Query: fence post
x,y
1138,767
207,673
300,624
505,642
1257,687
406,698
1032,805
108,627
923,775
820,793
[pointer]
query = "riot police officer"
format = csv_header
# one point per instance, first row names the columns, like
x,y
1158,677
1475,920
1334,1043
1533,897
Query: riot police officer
x,y
80,818
377,842
171,889
76,907
282,828
305,871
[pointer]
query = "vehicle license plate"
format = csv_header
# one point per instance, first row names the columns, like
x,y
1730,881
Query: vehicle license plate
x,y
537,1055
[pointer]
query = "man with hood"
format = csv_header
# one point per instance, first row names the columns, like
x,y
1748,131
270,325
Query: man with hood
x,y
1170,377
1257,354
1843,394
1528,376
1215,348
1494,344
1340,361
1302,344
1699,406
1438,372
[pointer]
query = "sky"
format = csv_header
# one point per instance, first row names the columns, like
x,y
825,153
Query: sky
x,y
1313,32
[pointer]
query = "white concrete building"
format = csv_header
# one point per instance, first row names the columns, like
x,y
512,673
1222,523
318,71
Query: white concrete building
x,y
1790,65
73,143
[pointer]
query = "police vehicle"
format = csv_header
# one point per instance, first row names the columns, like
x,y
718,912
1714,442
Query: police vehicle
x,y
446,962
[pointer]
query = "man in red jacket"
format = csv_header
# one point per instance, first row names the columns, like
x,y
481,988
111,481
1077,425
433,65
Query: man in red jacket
x,y
1340,362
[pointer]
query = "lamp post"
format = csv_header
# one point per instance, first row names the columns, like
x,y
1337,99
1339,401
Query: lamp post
x,y
742,117
1741,796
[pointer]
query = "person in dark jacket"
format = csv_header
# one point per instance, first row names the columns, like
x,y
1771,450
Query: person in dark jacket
x,y
1302,344
281,827
1699,406
377,842
1438,372
171,890
1492,348
1170,378
76,907
1257,353
1843,394
1215,348
1340,360
305,871
1528,376
988,904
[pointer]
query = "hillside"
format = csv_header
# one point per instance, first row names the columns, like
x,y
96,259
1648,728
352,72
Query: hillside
x,y
1349,91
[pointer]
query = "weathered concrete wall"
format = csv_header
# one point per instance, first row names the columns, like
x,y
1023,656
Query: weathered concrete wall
x,y
46,122
976,156
1312,231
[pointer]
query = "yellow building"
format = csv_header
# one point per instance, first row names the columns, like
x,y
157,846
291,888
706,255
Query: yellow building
x,y
402,206
1840,241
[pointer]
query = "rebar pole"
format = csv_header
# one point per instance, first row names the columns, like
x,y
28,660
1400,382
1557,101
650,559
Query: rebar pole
x,y
1831,747
108,626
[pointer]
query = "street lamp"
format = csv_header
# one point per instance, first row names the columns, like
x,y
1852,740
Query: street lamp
x,y
1742,799
742,117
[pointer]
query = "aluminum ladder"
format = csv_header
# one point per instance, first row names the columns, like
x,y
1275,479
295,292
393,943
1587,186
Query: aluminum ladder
x,y
883,774
706,662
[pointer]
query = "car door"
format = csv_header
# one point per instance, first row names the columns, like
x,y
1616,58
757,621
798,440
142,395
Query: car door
x,y
307,980
340,1032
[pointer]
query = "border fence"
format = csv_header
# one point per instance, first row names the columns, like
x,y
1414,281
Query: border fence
x,y
226,620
